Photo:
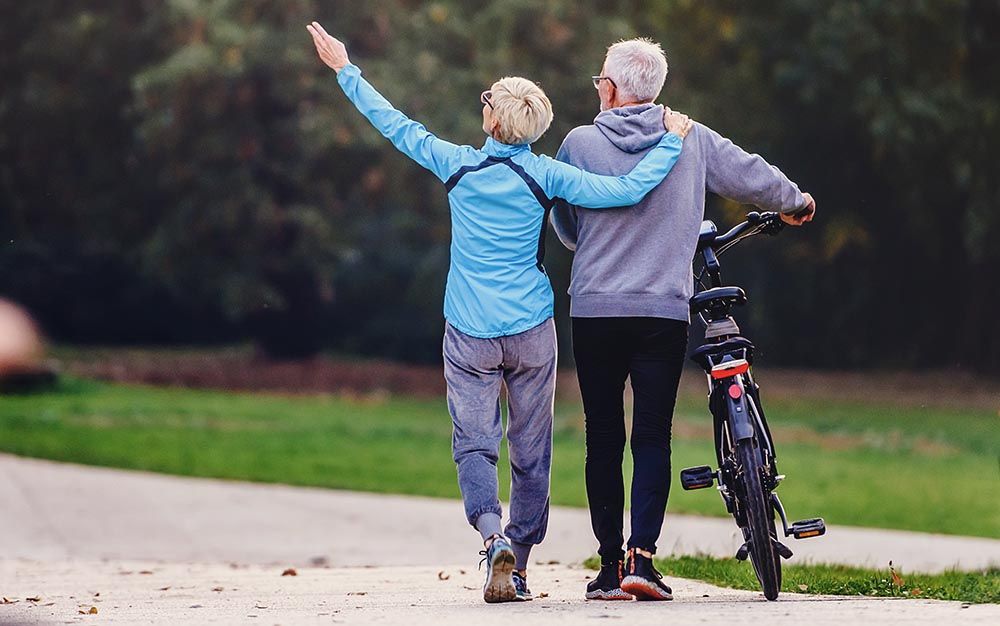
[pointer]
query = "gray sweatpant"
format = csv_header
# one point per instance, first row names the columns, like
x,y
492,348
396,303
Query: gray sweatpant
x,y
474,369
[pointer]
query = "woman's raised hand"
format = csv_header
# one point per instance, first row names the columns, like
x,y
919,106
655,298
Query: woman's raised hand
x,y
330,49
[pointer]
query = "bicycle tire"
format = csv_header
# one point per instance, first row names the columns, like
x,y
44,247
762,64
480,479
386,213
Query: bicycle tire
x,y
765,560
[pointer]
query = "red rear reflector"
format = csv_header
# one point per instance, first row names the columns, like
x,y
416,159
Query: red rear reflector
x,y
732,368
735,392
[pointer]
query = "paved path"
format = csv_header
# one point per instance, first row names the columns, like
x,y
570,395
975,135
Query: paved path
x,y
54,511
143,593
147,548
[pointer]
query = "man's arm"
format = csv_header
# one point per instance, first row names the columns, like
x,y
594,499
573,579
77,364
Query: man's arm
x,y
733,173
563,216
410,137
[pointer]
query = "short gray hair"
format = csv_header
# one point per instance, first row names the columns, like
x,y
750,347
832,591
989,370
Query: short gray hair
x,y
638,67
522,109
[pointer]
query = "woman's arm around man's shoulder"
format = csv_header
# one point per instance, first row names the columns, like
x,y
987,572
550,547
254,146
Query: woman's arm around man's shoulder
x,y
584,189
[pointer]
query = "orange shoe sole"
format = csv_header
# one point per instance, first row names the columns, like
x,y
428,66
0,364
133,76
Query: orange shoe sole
x,y
643,589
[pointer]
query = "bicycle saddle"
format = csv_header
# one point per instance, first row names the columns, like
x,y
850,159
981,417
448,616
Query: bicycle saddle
x,y
727,296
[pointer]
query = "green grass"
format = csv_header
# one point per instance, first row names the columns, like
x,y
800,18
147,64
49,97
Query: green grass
x,y
866,466
836,580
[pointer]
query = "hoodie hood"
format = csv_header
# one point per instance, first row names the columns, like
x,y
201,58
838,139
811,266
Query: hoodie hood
x,y
633,128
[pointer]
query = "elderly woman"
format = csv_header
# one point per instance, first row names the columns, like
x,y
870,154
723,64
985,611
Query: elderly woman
x,y
498,300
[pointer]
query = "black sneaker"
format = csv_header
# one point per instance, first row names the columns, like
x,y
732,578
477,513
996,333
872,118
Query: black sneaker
x,y
521,587
642,580
608,584
499,559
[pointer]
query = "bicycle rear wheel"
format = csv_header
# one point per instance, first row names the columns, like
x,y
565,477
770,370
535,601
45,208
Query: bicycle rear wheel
x,y
760,519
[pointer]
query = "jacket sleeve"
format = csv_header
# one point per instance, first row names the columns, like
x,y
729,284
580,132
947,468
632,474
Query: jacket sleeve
x,y
563,216
599,192
747,178
410,137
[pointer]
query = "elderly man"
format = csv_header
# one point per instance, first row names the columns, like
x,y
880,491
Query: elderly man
x,y
630,286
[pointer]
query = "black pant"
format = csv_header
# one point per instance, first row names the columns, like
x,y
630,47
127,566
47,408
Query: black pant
x,y
651,352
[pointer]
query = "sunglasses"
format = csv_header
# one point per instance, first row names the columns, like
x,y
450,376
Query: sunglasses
x,y
486,98
597,81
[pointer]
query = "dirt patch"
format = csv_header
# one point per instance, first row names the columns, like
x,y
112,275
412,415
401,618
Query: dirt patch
x,y
243,370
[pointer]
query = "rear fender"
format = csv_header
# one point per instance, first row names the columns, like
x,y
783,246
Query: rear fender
x,y
740,417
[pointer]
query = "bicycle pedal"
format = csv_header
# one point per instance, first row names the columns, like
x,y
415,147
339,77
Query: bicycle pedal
x,y
743,552
806,528
697,477
784,551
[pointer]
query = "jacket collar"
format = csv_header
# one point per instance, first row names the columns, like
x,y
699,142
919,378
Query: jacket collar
x,y
494,148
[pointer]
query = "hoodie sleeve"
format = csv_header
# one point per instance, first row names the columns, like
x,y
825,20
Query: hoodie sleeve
x,y
410,137
747,178
563,216
600,192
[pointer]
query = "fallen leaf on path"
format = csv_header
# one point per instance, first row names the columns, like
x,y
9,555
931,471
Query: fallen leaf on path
x,y
216,589
92,611
34,599
443,576
290,572
462,572
8,601
543,594
258,606
164,588
357,593
145,572
469,588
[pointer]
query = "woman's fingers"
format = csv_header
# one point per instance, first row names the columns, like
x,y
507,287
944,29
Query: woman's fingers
x,y
321,37
330,49
317,39
320,28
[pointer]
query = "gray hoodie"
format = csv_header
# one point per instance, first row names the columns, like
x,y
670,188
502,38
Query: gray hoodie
x,y
636,262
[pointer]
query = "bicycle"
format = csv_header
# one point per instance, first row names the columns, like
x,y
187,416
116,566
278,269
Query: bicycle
x,y
747,474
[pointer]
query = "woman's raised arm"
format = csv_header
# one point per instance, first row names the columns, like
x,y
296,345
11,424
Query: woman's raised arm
x,y
411,138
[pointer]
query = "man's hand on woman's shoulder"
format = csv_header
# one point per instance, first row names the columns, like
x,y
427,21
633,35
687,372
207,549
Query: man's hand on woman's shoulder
x,y
331,50
676,123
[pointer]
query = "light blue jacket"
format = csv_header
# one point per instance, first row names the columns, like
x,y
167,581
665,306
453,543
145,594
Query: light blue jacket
x,y
500,196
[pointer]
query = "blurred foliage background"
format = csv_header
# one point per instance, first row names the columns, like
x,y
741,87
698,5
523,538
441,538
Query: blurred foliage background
x,y
187,171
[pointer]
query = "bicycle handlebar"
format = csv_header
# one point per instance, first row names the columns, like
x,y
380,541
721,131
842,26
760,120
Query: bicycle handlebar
x,y
768,223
